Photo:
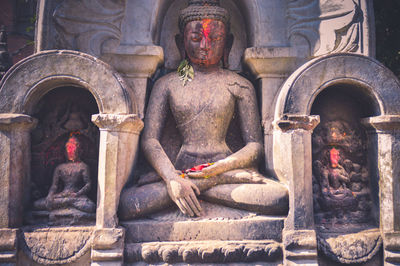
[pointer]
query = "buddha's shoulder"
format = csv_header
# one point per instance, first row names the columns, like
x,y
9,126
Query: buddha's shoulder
x,y
234,78
168,80
236,84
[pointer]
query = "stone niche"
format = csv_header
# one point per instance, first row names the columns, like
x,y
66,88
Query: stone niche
x,y
331,128
340,113
68,126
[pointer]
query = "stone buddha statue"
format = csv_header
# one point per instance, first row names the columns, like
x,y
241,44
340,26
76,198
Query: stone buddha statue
x,y
67,200
203,106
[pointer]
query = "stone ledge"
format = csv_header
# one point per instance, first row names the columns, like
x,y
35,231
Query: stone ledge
x,y
255,228
204,251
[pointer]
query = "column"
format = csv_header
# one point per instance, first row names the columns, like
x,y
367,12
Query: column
x,y
119,139
292,151
387,135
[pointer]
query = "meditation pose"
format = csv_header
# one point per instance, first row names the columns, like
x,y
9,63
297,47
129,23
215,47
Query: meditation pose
x,y
202,102
71,183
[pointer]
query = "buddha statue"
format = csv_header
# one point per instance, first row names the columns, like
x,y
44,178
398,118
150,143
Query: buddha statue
x,y
67,198
202,101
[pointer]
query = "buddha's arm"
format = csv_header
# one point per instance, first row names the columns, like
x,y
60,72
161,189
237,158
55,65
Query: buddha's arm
x,y
251,133
182,191
54,185
86,180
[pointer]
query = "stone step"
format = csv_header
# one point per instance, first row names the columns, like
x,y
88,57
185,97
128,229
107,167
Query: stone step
x,y
253,228
205,252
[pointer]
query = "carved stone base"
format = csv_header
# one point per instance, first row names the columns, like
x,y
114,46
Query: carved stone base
x,y
391,251
349,248
300,247
108,246
204,252
56,245
8,246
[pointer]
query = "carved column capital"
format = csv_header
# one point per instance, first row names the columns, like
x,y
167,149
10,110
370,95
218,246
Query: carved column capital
x,y
108,245
119,123
293,122
383,123
16,121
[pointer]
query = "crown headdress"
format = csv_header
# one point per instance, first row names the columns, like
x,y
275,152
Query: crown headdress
x,y
203,9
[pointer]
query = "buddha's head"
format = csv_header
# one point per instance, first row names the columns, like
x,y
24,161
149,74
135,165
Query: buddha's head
x,y
204,26
73,149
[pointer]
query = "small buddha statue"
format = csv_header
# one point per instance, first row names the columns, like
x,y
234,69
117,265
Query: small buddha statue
x,y
202,102
71,183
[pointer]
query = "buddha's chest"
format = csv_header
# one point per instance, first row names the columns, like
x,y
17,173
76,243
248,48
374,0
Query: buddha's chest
x,y
70,174
209,102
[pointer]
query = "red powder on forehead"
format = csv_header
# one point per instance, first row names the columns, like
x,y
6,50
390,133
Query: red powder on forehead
x,y
206,27
334,157
71,146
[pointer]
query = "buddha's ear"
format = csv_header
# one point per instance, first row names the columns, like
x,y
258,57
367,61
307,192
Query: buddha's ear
x,y
181,46
227,50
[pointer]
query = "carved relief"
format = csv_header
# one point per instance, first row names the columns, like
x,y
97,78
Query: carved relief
x,y
56,245
90,26
328,26
216,251
64,159
341,187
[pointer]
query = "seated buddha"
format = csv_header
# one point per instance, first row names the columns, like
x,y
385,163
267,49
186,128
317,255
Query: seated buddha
x,y
67,200
202,100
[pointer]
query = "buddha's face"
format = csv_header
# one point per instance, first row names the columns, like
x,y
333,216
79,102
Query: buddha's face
x,y
205,41
71,149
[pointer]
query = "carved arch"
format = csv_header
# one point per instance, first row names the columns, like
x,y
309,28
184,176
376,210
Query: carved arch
x,y
27,81
371,77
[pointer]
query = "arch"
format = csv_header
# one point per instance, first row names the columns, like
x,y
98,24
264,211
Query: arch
x,y
368,75
30,79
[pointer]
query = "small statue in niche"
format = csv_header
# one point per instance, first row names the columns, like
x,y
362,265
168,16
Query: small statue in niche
x,y
341,186
203,106
67,199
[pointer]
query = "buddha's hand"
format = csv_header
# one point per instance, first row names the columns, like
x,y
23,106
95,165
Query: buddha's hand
x,y
182,192
210,171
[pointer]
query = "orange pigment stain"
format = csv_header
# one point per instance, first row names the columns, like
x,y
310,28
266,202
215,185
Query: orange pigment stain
x,y
206,27
71,147
334,157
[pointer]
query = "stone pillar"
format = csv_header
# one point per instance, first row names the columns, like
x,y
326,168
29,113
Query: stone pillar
x,y
108,247
387,130
271,66
119,138
136,64
15,166
293,161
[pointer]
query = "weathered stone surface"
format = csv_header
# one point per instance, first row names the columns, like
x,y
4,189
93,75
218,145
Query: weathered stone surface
x,y
204,252
27,81
217,228
350,248
14,164
8,245
56,245
108,246
119,136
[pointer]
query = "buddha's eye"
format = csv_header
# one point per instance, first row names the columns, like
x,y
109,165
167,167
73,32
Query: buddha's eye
x,y
217,38
195,38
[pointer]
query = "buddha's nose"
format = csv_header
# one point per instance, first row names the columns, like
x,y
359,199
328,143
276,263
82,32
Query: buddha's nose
x,y
205,43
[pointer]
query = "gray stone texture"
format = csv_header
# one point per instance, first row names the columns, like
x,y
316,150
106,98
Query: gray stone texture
x,y
294,50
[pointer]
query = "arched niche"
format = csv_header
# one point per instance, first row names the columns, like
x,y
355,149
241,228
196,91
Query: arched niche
x,y
27,81
22,89
364,92
169,29
63,113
